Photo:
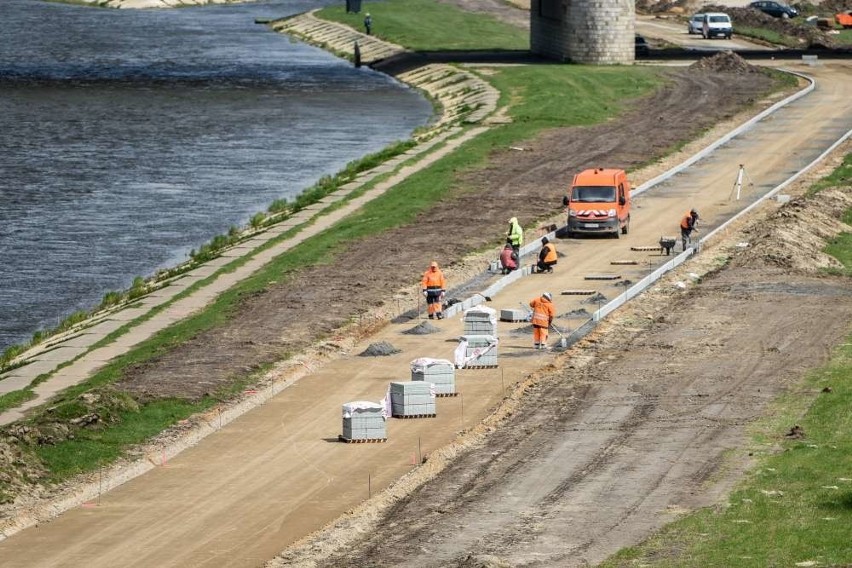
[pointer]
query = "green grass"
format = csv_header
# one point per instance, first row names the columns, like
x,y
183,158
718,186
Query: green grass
x,y
426,25
844,37
92,448
770,36
796,505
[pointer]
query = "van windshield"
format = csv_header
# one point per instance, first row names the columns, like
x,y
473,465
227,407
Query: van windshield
x,y
593,194
719,19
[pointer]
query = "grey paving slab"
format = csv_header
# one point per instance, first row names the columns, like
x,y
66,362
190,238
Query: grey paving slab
x,y
63,353
128,315
12,382
37,367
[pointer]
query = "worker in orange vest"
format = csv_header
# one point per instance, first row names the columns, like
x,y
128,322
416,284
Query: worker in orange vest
x,y
542,318
434,286
687,225
547,256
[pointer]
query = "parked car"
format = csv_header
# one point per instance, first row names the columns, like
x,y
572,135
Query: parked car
x,y
717,24
774,9
695,24
642,47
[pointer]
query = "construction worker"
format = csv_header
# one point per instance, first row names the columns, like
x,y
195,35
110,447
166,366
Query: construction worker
x,y
515,235
434,286
508,258
687,225
542,318
547,256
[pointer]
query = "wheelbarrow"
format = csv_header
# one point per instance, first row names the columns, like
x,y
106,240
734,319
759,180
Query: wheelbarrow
x,y
667,245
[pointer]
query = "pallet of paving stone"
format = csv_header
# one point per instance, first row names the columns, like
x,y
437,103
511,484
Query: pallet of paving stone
x,y
363,421
578,292
412,398
624,262
480,320
480,351
440,372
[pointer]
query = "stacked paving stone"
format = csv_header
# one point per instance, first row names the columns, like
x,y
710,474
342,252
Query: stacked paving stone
x,y
363,421
439,372
480,351
480,321
413,399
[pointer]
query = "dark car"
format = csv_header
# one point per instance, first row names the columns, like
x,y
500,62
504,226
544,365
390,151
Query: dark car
x,y
642,47
774,9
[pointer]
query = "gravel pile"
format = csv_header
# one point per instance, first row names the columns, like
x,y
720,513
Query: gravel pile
x,y
596,298
424,328
380,349
580,313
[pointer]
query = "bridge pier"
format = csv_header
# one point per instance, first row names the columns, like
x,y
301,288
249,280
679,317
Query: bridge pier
x,y
598,32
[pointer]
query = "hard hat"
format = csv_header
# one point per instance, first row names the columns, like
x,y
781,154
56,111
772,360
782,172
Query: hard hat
x,y
547,296
513,220
434,264
693,212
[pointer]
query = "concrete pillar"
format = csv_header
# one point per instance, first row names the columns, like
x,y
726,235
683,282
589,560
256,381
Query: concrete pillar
x,y
599,32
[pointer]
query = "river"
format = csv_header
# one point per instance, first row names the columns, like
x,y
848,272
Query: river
x,y
130,137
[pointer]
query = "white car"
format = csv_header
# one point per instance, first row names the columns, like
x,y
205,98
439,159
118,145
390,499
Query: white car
x,y
717,24
695,25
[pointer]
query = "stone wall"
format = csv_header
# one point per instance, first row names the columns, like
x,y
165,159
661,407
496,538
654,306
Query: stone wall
x,y
583,31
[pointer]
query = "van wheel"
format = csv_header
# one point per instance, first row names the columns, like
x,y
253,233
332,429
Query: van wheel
x,y
626,227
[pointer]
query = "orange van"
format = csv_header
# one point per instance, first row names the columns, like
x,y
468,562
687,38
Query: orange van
x,y
599,202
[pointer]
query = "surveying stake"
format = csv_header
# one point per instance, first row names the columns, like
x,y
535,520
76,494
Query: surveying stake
x,y
738,184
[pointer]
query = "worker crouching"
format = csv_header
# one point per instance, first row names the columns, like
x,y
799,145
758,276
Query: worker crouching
x,y
434,286
508,259
547,256
542,318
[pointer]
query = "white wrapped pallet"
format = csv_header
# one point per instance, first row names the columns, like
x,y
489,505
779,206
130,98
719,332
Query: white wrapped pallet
x,y
480,320
364,421
476,351
439,372
413,399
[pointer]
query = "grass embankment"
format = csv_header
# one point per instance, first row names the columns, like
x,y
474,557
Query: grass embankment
x,y
424,25
542,97
795,507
